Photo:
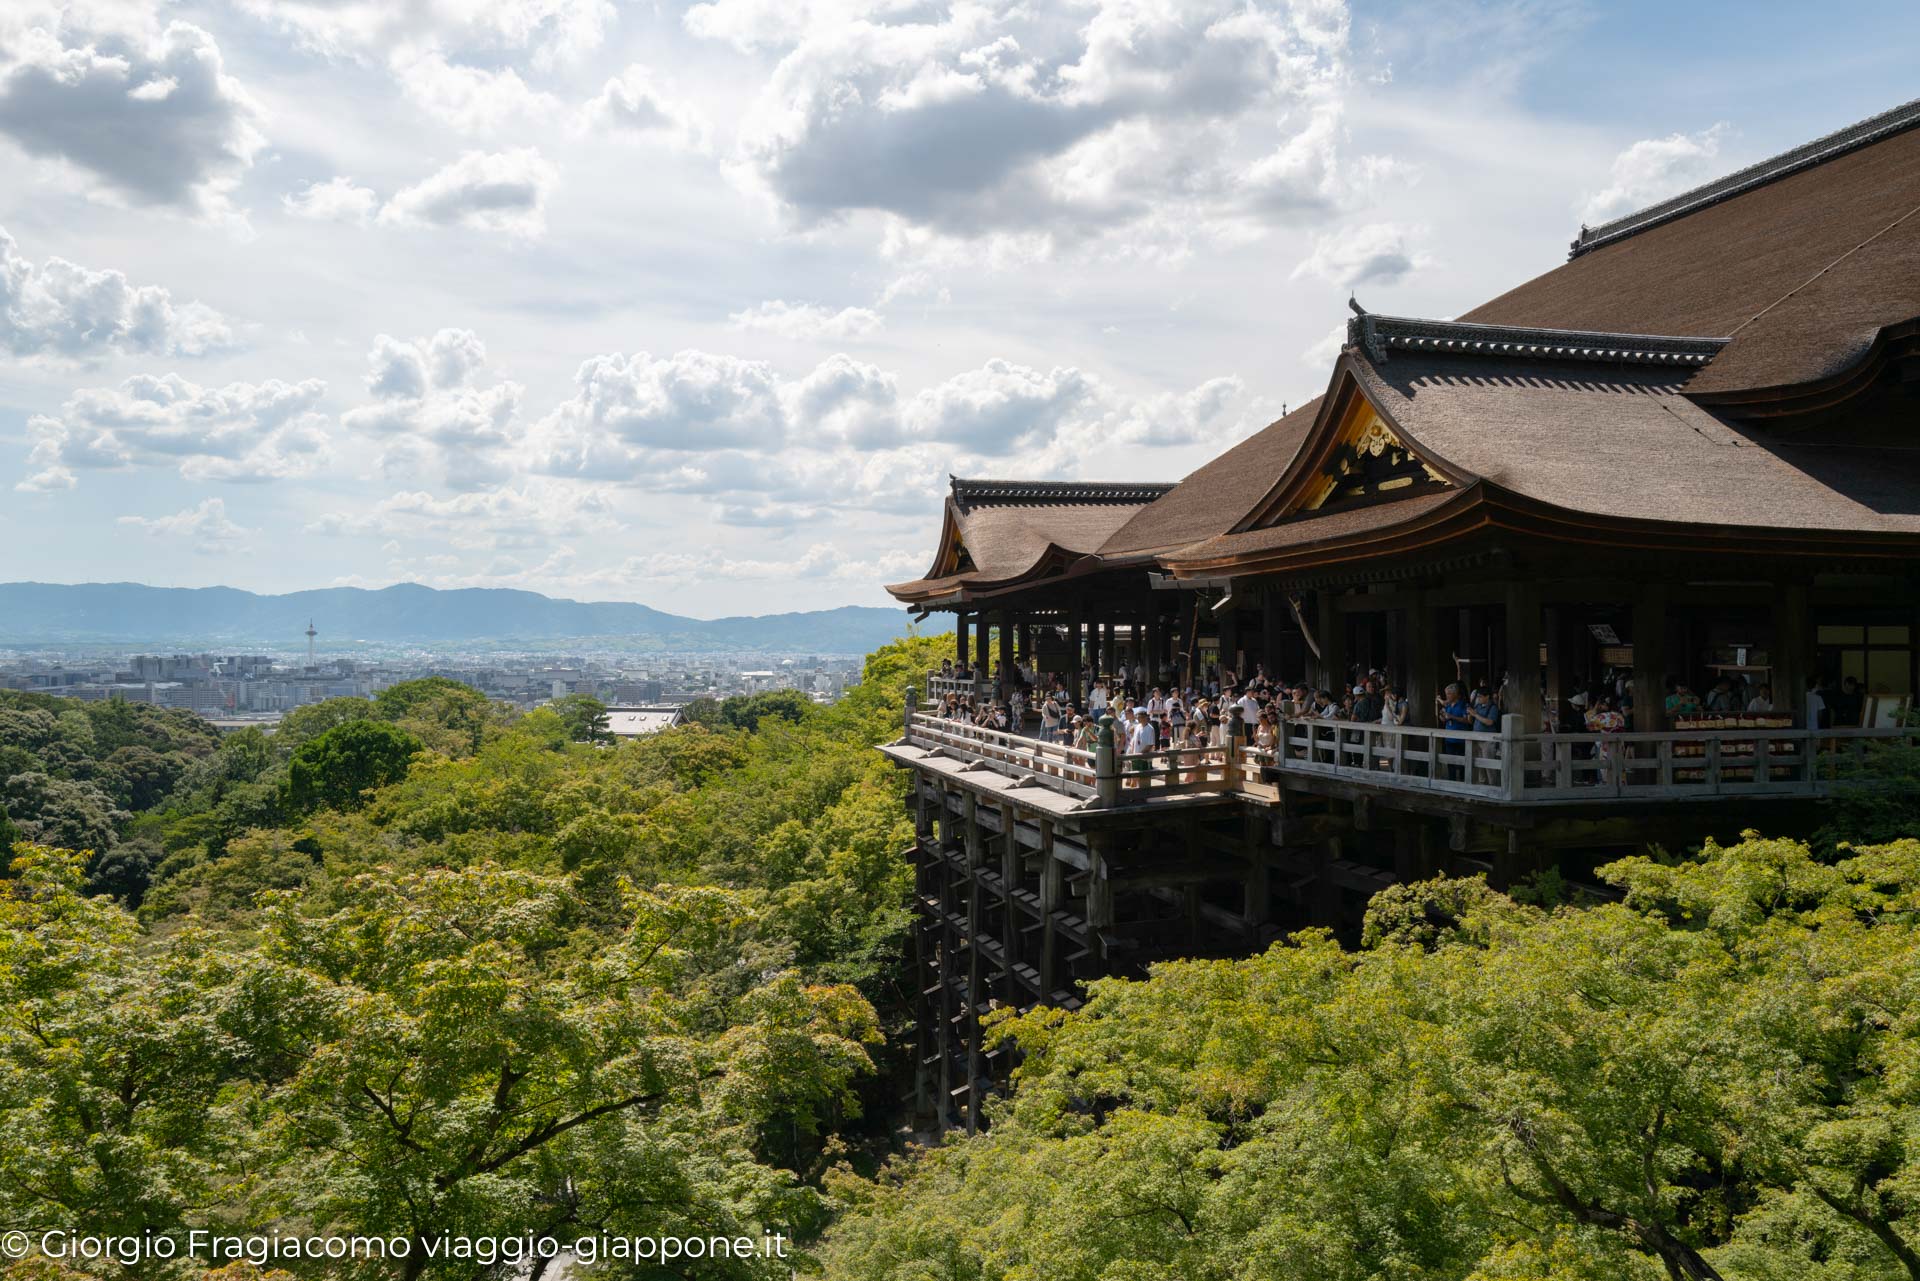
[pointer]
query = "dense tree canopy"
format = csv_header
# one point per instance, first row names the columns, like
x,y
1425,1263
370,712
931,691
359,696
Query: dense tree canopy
x,y
1712,1078
342,766
424,965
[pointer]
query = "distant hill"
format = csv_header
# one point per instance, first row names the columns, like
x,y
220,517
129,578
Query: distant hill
x,y
135,614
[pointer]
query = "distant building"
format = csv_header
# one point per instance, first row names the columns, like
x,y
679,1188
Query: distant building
x,y
637,722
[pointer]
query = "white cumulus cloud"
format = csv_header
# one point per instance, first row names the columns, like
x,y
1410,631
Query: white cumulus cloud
x,y
240,432
1654,168
476,100
155,121
635,103
63,309
428,408
493,191
1381,253
1142,124
807,320
627,409
207,526
339,199
524,517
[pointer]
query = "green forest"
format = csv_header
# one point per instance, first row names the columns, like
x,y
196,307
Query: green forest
x,y
424,967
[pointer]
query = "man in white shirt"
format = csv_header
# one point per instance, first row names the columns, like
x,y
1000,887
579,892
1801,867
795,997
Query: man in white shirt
x,y
1140,741
1816,703
1249,715
1097,699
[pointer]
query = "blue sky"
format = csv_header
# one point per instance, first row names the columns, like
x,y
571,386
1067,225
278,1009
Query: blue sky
x,y
699,305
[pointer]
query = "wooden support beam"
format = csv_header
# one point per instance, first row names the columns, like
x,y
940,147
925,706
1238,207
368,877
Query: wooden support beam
x,y
1187,641
1330,630
1424,676
1006,653
1650,658
1052,896
1273,614
1228,623
1523,656
1791,652
1076,656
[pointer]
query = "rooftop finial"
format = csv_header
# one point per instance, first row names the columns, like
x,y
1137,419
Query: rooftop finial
x,y
1354,304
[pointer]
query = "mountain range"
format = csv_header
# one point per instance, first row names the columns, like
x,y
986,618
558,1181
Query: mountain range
x,y
408,613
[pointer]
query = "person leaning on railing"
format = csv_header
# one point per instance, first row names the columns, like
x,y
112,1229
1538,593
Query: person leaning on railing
x,y
1267,733
1086,733
1140,745
1484,717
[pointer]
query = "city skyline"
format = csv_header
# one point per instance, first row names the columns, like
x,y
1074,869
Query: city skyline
x,y
698,307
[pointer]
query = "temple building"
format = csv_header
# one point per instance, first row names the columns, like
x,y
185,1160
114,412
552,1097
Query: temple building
x,y
1689,454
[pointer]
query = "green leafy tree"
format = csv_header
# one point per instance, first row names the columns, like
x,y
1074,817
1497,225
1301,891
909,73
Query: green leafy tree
x,y
584,716
304,724
61,812
1714,1078
447,715
747,711
112,1061
341,766
474,1061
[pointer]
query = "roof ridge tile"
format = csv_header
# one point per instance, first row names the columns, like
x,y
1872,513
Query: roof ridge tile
x,y
969,494
1376,335
1805,156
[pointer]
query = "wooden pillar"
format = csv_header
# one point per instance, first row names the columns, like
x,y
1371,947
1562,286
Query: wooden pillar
x,y
1424,677
1406,852
1650,658
1153,649
1256,899
1330,630
1273,612
1228,621
1052,893
976,858
1791,654
960,637
1553,625
1109,651
1099,892
1006,652
1523,655
924,960
1010,877
1075,654
1187,642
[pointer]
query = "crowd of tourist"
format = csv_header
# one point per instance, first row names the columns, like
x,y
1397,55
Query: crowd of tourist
x,y
1154,716
1222,705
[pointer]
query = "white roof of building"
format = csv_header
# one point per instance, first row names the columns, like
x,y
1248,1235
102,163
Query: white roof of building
x,y
631,722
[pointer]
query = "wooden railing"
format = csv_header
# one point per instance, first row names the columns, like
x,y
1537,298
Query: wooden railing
x,y
939,687
1696,763
1408,757
1507,767
1055,765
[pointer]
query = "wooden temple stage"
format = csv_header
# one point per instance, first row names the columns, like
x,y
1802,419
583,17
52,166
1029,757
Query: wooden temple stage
x,y
1689,454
